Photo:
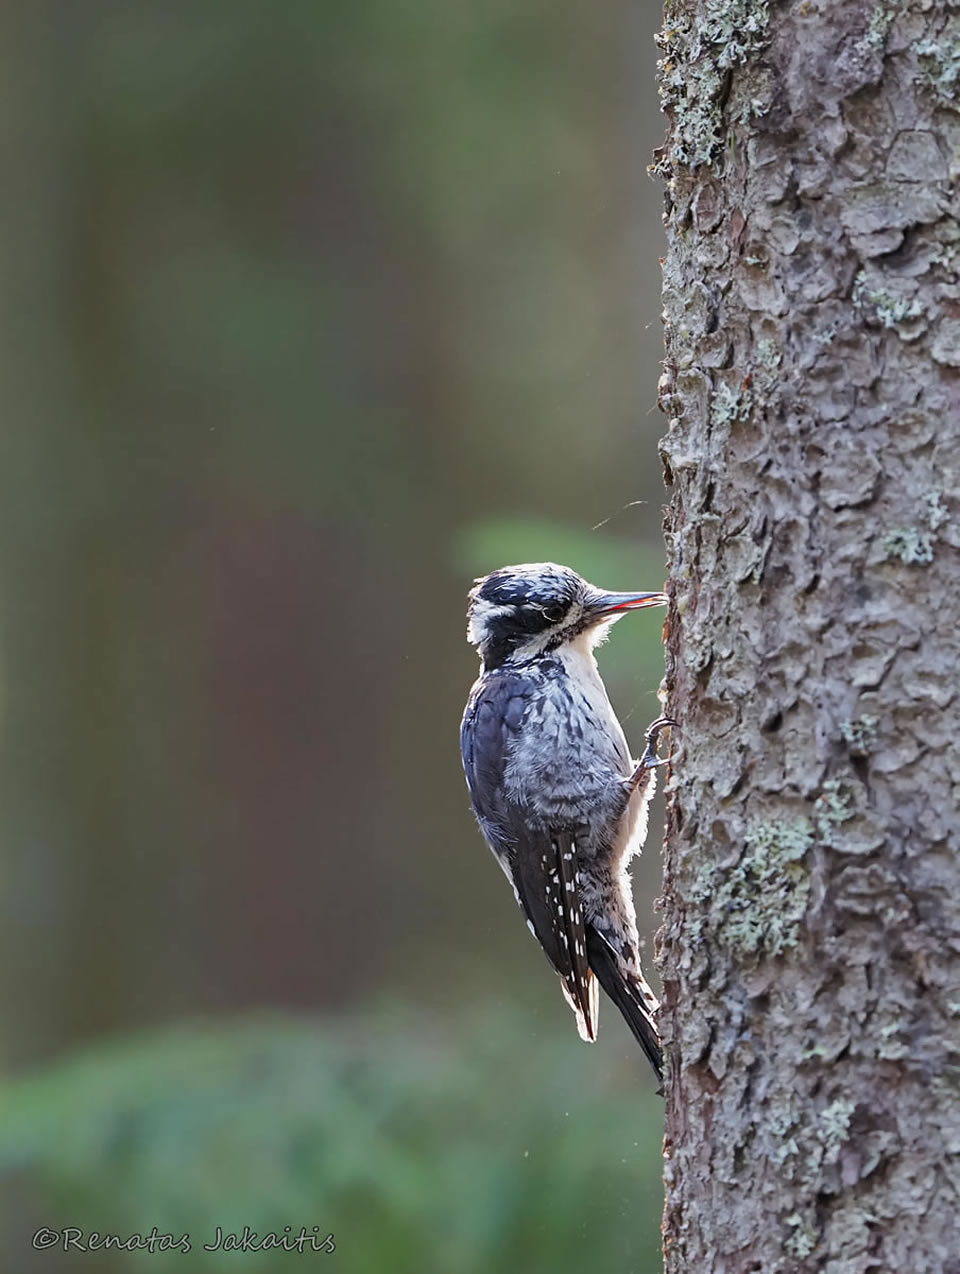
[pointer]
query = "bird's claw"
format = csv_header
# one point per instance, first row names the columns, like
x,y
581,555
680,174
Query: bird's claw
x,y
650,760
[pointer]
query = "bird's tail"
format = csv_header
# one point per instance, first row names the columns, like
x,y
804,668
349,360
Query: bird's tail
x,y
630,994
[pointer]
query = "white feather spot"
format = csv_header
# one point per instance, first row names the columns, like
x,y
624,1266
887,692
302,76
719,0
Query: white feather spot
x,y
483,618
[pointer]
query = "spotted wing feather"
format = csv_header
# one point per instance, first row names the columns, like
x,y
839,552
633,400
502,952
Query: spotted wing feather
x,y
547,878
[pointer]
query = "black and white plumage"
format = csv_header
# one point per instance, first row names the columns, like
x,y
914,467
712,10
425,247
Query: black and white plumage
x,y
553,786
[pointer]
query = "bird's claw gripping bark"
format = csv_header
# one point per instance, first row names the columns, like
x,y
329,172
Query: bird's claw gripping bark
x,y
650,759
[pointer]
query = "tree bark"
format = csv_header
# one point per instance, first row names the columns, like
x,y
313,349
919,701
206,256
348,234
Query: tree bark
x,y
812,885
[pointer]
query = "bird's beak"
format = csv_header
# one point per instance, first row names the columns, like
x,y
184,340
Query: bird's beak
x,y
613,605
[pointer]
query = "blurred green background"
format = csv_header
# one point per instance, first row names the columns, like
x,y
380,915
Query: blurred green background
x,y
311,312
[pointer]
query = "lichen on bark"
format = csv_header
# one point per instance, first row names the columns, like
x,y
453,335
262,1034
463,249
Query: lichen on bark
x,y
811,942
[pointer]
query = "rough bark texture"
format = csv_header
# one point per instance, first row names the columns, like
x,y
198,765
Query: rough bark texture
x,y
812,897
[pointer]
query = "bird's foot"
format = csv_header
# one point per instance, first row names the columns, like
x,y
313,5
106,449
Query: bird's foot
x,y
650,759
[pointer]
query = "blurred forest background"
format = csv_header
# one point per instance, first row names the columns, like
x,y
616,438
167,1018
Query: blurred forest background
x,y
311,313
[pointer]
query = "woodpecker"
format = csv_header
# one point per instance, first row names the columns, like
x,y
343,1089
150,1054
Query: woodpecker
x,y
552,784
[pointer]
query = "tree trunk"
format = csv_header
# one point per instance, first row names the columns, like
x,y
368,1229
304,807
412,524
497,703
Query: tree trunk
x,y
812,886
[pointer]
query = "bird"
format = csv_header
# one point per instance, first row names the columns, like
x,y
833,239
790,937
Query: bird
x,y
555,792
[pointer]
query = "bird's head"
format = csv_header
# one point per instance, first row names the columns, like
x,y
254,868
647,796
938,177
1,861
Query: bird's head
x,y
523,612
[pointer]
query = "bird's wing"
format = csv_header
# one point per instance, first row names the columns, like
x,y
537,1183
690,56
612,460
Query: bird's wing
x,y
547,878
490,723
539,861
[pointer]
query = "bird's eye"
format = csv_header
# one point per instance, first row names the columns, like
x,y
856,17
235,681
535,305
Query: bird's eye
x,y
554,613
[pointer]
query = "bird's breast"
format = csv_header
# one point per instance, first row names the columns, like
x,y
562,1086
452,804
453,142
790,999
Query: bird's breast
x,y
569,757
